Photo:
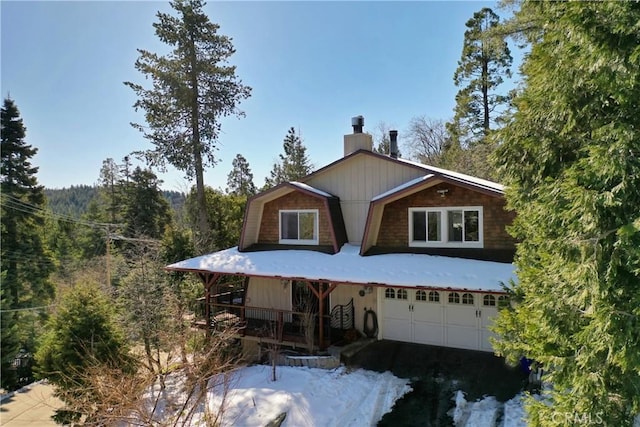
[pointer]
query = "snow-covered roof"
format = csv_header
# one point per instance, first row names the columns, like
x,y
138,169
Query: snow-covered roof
x,y
347,266
458,175
402,187
310,188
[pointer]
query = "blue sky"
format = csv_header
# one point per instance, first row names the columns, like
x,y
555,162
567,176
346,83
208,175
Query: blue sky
x,y
312,65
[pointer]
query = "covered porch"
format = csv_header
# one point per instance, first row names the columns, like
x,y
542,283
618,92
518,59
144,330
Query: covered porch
x,y
310,323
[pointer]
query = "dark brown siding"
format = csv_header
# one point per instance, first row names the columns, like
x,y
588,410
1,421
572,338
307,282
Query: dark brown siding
x,y
269,231
394,229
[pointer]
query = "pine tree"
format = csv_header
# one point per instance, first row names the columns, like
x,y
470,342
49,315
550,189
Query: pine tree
x,y
485,60
83,333
193,88
145,210
571,160
240,179
26,261
293,164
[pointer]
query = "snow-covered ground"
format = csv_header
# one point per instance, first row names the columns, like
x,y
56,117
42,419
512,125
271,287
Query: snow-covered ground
x,y
338,397
310,397
488,412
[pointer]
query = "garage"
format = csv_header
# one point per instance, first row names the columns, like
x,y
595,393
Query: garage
x,y
457,319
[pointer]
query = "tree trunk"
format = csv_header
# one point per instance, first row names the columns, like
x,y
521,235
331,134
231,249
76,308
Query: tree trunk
x,y
485,94
203,241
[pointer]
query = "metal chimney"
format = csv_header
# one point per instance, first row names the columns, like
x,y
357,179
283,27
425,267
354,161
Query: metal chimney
x,y
358,123
393,143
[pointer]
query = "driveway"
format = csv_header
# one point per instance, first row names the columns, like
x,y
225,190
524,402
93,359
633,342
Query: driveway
x,y
31,406
436,373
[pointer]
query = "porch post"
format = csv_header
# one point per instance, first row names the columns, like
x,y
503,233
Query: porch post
x,y
321,294
208,280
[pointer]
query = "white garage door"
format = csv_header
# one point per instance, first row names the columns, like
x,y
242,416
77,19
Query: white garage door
x,y
413,315
452,319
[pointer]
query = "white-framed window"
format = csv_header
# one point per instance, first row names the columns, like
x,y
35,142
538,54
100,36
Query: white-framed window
x,y
402,294
456,227
299,227
390,293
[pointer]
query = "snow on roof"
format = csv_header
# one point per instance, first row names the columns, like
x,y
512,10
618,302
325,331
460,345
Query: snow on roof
x,y
348,266
310,188
458,175
402,187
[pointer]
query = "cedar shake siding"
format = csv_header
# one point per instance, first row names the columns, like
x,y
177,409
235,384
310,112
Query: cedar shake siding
x,y
269,225
394,228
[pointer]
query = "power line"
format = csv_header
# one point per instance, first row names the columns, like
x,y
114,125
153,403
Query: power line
x,y
21,206
42,307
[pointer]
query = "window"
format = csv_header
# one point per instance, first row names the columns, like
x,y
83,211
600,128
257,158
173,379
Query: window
x,y
421,296
389,293
434,296
467,299
299,227
454,227
489,301
402,294
454,298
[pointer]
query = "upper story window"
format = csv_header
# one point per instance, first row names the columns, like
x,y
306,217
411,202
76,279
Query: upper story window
x,y
299,227
441,227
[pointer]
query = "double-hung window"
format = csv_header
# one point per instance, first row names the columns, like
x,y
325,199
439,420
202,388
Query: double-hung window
x,y
446,227
299,227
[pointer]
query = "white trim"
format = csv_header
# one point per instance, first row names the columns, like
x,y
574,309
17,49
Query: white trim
x,y
316,231
444,227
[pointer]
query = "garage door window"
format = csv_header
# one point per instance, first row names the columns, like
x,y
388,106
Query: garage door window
x,y
434,296
456,227
467,299
454,298
421,296
489,301
402,294
389,293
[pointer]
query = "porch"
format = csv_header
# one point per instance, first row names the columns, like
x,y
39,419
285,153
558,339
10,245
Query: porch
x,y
224,306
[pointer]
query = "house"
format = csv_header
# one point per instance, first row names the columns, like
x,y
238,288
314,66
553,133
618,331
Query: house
x,y
395,249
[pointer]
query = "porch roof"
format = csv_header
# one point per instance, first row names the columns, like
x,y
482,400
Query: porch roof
x,y
348,266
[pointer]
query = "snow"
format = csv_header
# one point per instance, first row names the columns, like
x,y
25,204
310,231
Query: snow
x,y
308,396
460,176
402,187
310,188
348,266
487,411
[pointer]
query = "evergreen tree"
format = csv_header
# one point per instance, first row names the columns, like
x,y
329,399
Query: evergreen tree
x,y
240,179
485,60
571,161
193,88
26,261
10,342
81,334
225,214
146,212
484,63
293,164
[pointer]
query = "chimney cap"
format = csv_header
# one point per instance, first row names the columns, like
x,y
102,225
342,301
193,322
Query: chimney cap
x,y
357,123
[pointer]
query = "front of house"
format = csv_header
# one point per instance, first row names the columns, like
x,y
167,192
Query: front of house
x,y
394,249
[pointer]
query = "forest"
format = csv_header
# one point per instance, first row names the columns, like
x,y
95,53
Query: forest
x,y
85,300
